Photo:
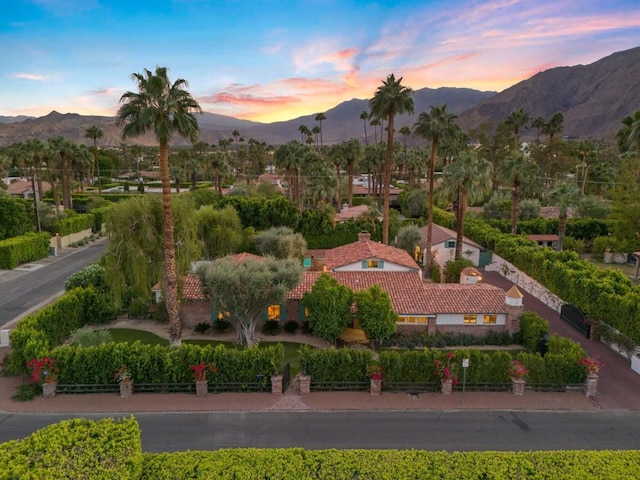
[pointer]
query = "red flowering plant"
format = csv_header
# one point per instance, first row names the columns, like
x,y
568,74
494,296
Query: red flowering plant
x,y
445,370
43,370
591,364
518,370
200,371
375,371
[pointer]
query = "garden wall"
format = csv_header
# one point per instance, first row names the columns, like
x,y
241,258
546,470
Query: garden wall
x,y
66,240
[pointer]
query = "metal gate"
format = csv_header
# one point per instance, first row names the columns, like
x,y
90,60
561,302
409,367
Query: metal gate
x,y
574,317
286,377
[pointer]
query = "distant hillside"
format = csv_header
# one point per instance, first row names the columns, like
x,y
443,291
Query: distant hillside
x,y
593,98
19,118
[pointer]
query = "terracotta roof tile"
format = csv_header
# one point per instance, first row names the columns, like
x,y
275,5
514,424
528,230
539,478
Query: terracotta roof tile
x,y
459,298
366,249
192,288
351,212
441,234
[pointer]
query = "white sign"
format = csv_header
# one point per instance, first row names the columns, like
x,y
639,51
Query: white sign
x,y
465,362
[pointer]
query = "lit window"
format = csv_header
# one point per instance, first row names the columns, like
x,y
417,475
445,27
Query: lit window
x,y
490,319
274,312
422,319
372,263
306,312
470,319
223,316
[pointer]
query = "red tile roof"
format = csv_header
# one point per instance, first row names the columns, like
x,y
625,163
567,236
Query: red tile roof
x,y
367,249
459,298
192,288
440,234
244,256
351,212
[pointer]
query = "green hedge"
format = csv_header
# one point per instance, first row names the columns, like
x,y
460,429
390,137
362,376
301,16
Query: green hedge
x,y
335,365
533,328
100,215
25,248
607,295
74,224
78,448
161,364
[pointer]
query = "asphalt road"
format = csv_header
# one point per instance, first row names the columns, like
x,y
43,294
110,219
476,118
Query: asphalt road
x,y
427,430
22,290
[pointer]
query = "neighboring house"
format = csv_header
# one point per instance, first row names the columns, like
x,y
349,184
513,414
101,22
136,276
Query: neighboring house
x,y
347,212
443,246
550,241
272,178
24,188
364,191
368,255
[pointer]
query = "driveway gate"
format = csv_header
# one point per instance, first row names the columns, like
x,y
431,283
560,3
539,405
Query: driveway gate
x,y
286,377
573,316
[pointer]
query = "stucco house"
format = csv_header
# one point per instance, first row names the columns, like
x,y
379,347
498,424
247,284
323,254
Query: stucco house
x,y
443,246
544,240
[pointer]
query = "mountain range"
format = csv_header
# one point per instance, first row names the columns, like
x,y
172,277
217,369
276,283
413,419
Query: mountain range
x,y
593,98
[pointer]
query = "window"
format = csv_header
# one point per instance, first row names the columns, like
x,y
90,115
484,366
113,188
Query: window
x,y
470,318
412,320
372,264
450,244
273,312
490,319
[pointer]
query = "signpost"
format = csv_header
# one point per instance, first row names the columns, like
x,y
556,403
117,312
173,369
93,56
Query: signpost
x,y
465,365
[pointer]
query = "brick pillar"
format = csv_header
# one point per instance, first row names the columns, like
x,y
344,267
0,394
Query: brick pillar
x,y
513,318
305,384
376,387
446,387
431,326
591,385
276,384
593,330
517,386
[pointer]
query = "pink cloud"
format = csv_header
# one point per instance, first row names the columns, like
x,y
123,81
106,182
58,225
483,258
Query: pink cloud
x,y
29,76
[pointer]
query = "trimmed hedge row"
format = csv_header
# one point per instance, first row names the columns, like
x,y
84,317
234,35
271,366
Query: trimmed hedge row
x,y
78,448
25,248
111,449
161,364
100,215
74,224
607,295
579,228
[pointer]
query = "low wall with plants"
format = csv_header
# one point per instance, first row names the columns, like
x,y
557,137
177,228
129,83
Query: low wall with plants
x,y
606,295
111,449
76,223
150,364
25,248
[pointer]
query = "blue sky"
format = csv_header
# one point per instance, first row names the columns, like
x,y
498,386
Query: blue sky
x,y
276,60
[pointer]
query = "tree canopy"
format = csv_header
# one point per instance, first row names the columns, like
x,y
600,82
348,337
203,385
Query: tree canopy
x,y
375,313
329,307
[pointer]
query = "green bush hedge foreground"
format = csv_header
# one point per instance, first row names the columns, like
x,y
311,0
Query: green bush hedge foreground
x,y
111,449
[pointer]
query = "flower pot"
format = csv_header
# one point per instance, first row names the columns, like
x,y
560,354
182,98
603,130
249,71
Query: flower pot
x,y
591,385
49,389
202,388
446,386
126,388
376,386
517,386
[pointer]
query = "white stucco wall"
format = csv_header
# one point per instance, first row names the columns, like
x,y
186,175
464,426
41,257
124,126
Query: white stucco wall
x,y
357,266
458,319
444,254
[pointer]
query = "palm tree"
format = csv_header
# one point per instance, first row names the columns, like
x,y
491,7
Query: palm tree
x,y
63,153
564,196
374,123
405,132
436,125
353,153
164,108
319,118
37,151
552,128
516,169
316,134
364,116
219,164
629,135
517,120
538,123
95,133
468,178
304,132
391,99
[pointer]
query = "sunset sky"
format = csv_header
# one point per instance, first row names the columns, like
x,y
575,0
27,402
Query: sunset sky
x,y
276,60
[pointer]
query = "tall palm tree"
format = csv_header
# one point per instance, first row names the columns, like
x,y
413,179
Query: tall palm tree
x,y
37,151
391,99
319,118
466,179
164,108
374,123
518,120
353,153
95,133
63,154
538,123
436,125
552,128
405,132
563,196
517,169
316,131
304,132
364,116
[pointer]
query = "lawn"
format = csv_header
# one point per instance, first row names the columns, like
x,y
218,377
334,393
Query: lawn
x,y
131,335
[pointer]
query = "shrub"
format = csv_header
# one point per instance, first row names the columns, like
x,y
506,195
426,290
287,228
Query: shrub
x,y
533,328
220,325
26,248
271,327
291,326
88,337
202,327
139,308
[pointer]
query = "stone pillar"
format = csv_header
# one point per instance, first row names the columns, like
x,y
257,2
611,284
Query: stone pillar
x,y
593,330
591,385
202,388
446,387
276,384
126,388
376,386
517,386
49,389
305,384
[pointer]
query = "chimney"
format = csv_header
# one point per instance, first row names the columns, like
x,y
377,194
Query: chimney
x,y
470,276
513,300
364,236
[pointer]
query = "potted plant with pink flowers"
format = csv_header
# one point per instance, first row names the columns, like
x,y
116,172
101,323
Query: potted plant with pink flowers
x,y
445,371
200,373
518,373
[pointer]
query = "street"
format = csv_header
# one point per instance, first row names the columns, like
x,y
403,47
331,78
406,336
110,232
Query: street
x,y
425,430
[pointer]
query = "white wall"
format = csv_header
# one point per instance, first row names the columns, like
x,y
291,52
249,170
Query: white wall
x,y
388,267
445,254
458,319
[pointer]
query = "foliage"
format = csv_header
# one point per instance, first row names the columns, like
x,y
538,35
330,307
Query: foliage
x,y
15,217
375,371
329,306
453,268
76,223
533,328
335,365
245,289
100,216
280,242
202,370
416,203
375,313
205,196
93,275
291,326
220,325
320,232
262,213
518,370
219,231
139,307
26,248
123,374
591,364
444,368
77,448
88,337
202,327
409,237
271,327
43,370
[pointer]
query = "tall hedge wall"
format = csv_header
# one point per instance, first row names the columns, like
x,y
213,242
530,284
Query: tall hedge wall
x,y
74,224
607,295
25,248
